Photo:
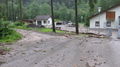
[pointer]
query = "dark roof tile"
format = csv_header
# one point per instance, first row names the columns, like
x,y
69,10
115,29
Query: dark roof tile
x,y
42,17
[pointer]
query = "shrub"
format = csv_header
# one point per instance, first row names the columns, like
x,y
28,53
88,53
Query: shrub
x,y
4,28
19,23
6,33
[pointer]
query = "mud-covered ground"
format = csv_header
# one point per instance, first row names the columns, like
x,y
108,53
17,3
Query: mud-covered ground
x,y
44,50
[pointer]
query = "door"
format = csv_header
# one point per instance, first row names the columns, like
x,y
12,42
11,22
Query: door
x,y
39,22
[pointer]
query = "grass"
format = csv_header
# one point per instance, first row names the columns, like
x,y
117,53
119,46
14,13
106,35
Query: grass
x,y
11,38
20,25
48,30
45,30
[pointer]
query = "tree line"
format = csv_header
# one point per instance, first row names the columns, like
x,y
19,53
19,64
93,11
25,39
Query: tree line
x,y
67,10
63,9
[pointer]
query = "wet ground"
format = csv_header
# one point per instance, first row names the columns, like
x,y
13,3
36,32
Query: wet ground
x,y
44,50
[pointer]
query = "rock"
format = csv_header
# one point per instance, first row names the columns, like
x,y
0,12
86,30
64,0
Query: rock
x,y
81,60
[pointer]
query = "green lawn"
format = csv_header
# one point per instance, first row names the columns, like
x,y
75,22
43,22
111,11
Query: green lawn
x,y
48,30
39,29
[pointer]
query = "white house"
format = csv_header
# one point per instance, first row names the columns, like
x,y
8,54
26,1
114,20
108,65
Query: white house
x,y
44,20
109,18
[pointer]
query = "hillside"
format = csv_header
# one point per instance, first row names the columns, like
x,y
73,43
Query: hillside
x,y
63,9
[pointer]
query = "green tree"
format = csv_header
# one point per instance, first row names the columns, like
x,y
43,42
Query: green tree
x,y
20,9
92,5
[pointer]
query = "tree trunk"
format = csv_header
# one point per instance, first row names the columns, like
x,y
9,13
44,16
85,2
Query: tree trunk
x,y
76,18
52,11
7,10
20,10
12,12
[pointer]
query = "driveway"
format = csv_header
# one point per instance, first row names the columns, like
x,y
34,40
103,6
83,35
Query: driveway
x,y
43,50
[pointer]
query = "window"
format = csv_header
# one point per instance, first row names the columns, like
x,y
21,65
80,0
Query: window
x,y
39,22
48,22
108,24
97,24
45,22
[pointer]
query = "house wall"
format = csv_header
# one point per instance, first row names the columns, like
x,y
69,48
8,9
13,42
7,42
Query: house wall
x,y
48,23
102,19
35,22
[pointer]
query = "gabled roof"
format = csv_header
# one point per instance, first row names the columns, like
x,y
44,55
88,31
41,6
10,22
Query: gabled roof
x,y
42,17
105,10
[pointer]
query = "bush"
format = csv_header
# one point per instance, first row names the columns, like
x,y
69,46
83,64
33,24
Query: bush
x,y
87,24
19,23
4,29
6,33
11,37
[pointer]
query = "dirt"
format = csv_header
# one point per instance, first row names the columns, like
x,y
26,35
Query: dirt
x,y
44,50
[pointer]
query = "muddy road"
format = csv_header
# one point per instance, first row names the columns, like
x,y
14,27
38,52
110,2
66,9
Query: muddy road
x,y
44,50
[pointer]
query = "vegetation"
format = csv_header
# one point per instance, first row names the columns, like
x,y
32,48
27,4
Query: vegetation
x,y
63,9
7,34
47,30
21,25
11,37
13,10
37,29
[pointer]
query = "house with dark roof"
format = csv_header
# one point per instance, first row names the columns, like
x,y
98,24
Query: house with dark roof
x,y
43,20
109,18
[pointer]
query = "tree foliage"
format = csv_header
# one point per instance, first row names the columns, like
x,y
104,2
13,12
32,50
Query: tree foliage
x,y
63,9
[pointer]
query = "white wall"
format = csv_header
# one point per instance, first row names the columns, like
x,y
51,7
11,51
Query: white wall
x,y
35,22
102,19
48,23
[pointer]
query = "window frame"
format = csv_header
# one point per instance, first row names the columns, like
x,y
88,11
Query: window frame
x,y
108,24
97,23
